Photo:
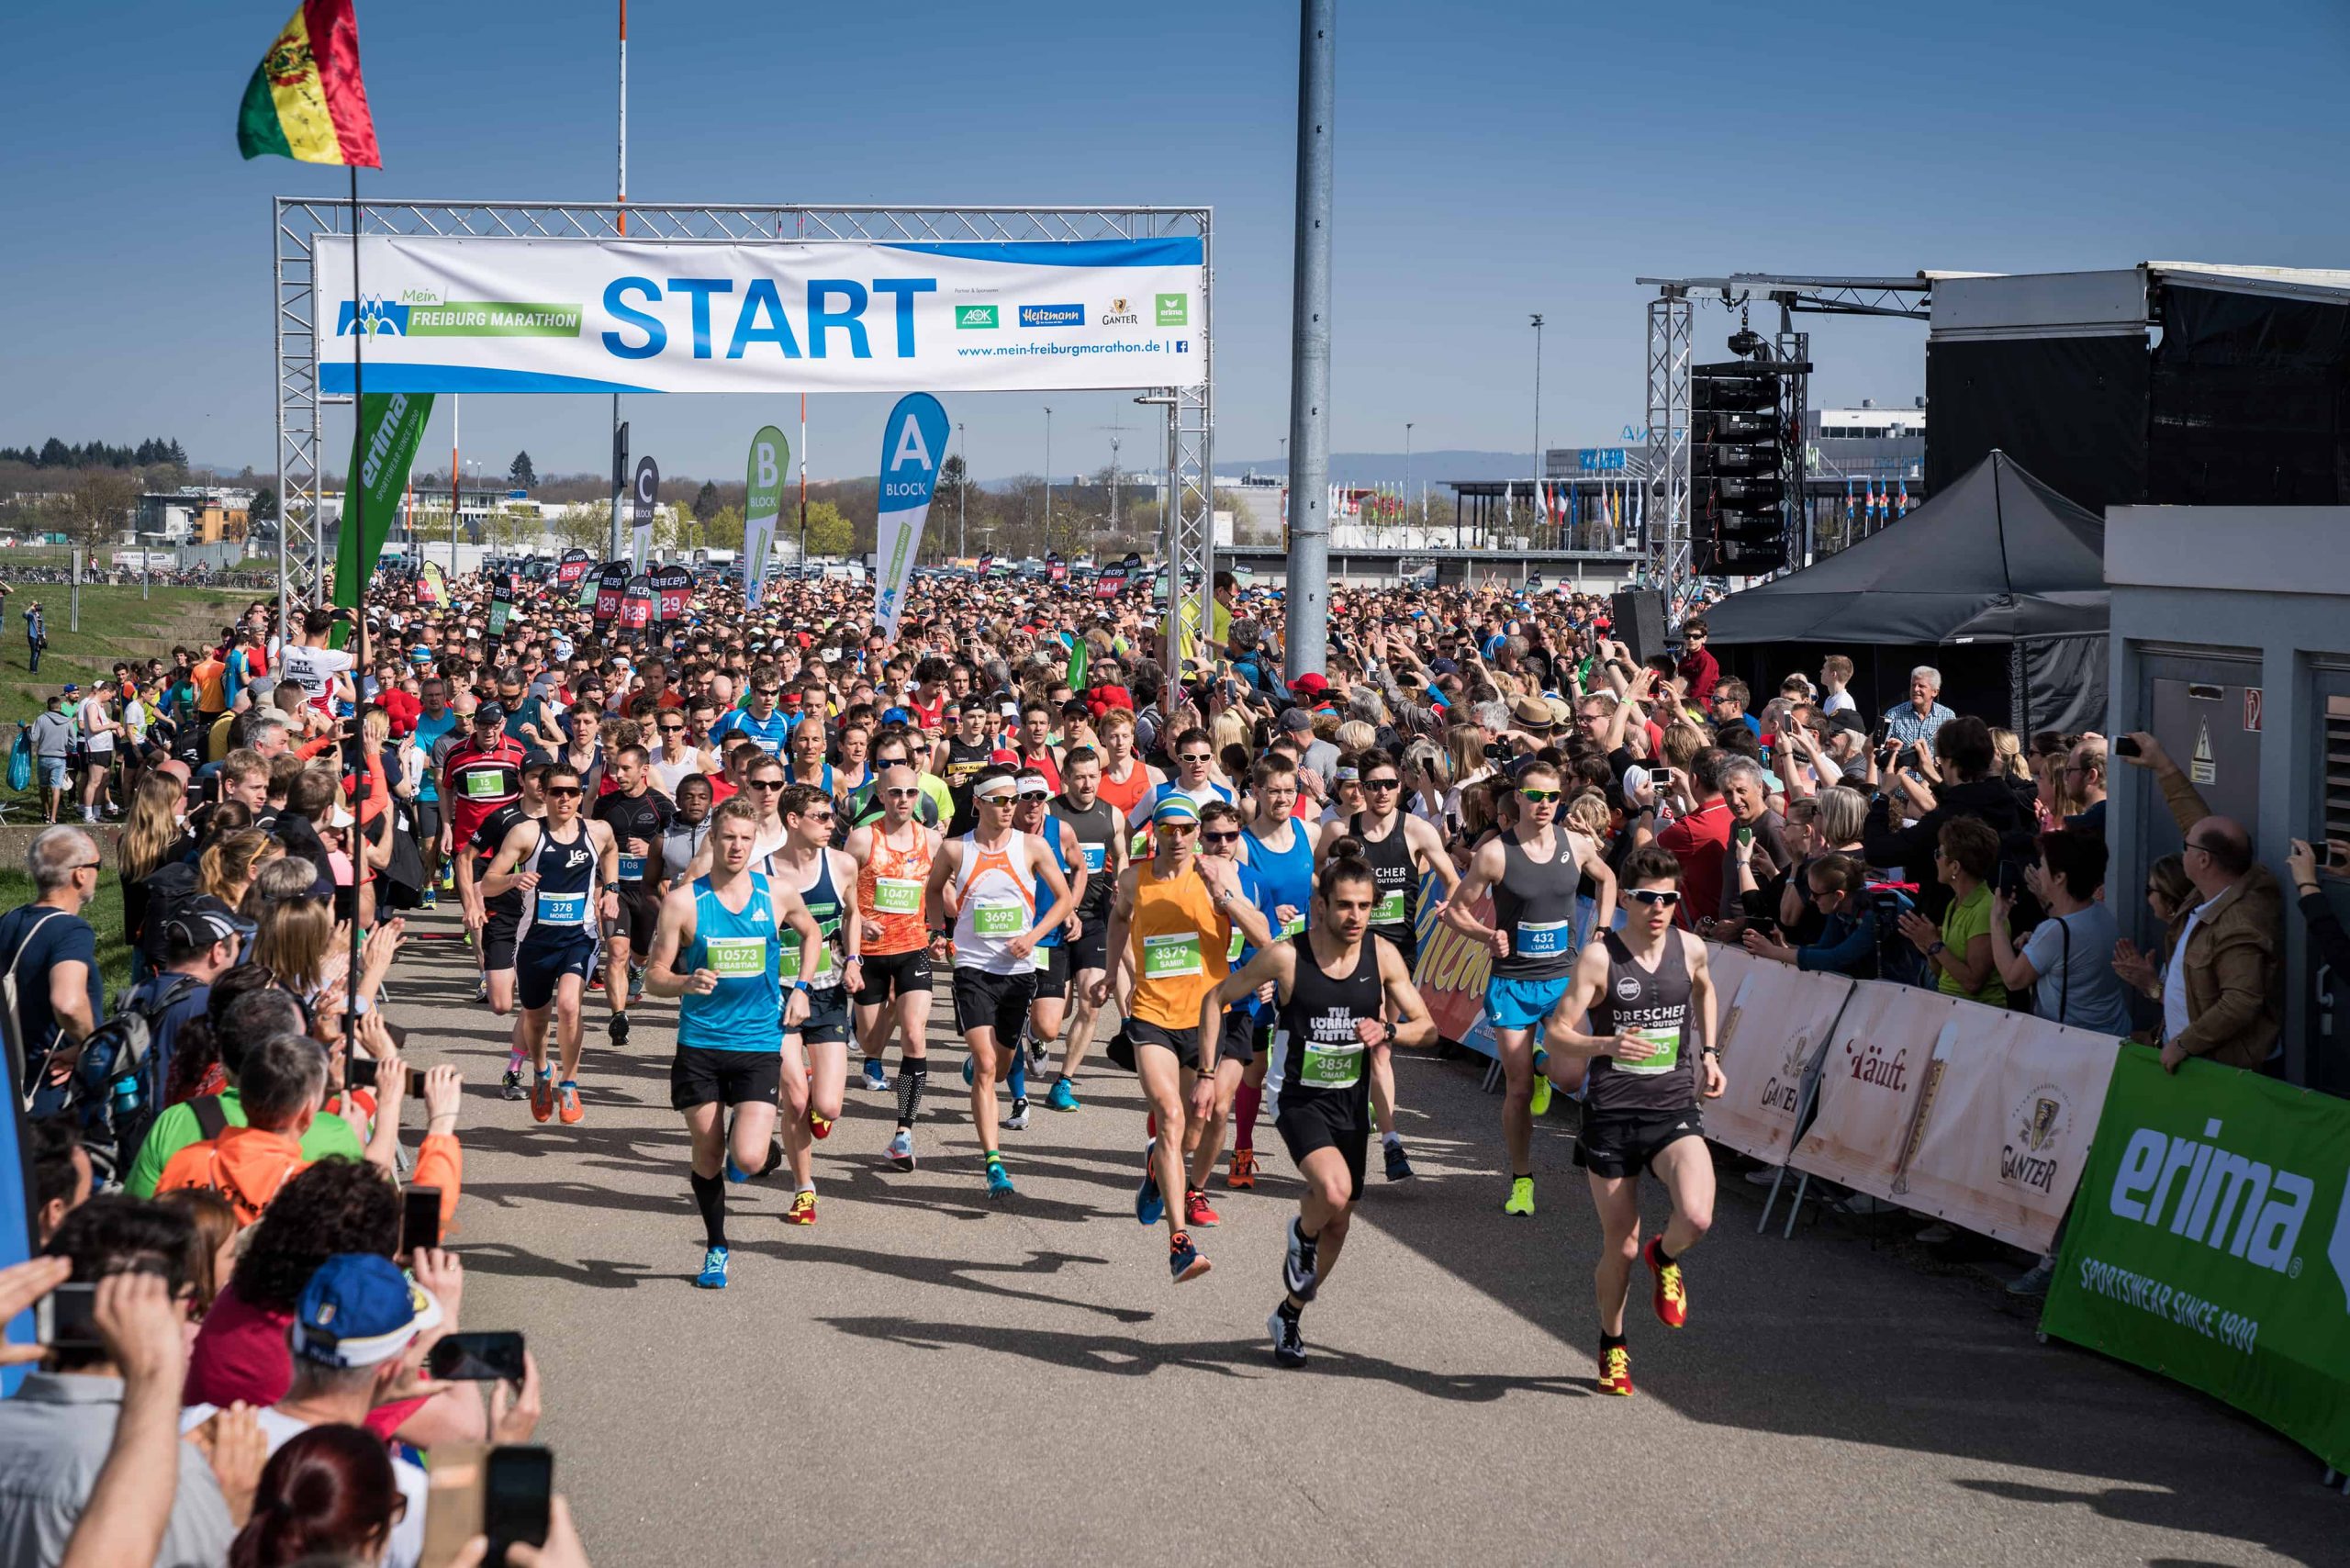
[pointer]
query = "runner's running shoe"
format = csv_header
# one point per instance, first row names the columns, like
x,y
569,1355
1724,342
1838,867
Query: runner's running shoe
x,y
1183,1259
1615,1371
1000,1185
713,1269
1521,1197
481,988
511,1086
1018,1121
432,899
1150,1206
803,1208
635,984
1196,1210
618,1028
1672,1293
1243,1174
1398,1168
821,1126
902,1149
1289,1344
1298,1264
877,1078
1062,1098
1541,1104
970,1070
734,1173
542,1097
567,1099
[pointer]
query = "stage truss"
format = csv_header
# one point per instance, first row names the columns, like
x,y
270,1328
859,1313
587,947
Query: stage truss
x,y
1187,537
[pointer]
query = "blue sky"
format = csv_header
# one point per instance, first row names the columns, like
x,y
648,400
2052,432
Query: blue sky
x,y
1492,160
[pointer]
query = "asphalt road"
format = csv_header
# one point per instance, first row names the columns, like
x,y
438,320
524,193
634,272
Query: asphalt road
x,y
925,1377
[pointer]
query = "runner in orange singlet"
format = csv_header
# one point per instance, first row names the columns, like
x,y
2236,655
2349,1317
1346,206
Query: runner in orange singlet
x,y
893,858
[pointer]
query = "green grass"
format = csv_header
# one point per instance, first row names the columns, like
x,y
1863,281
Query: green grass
x,y
104,912
117,623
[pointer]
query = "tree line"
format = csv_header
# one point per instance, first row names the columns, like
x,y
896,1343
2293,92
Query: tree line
x,y
56,453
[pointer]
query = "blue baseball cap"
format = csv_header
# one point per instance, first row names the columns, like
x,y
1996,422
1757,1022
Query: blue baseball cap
x,y
896,716
1175,808
359,1310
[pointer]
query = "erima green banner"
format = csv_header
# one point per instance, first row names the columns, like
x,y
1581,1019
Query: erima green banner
x,y
2210,1242
391,424
763,481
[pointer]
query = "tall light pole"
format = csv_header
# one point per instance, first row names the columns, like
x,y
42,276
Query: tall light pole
x,y
1537,410
962,487
1048,476
1408,467
1308,448
617,478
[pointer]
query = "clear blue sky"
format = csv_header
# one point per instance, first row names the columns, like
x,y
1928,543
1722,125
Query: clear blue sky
x,y
1492,160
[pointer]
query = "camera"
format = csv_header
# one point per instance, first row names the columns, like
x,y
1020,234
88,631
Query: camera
x,y
2125,745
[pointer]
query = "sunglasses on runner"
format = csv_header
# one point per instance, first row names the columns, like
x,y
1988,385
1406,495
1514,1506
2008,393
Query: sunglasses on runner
x,y
902,794
1195,756
1233,837
1537,797
1383,783
1663,898
561,791
765,784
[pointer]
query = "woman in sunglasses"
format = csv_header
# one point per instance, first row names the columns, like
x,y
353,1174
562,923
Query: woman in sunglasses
x,y
1641,993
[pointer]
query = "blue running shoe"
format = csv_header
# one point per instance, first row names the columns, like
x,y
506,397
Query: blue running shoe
x,y
734,1173
970,1070
1000,1185
713,1269
1062,1098
1183,1259
902,1149
1151,1205
877,1078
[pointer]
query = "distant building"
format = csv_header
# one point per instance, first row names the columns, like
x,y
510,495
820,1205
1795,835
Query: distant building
x,y
1867,442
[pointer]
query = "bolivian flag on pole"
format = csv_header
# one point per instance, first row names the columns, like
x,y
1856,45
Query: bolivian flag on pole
x,y
306,100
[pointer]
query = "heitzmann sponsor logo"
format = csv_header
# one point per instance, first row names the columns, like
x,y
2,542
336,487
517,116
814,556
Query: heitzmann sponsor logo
x,y
2228,1201
2037,1129
460,318
1052,314
1120,315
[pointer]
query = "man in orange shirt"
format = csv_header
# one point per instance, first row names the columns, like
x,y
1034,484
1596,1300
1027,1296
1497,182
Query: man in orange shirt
x,y
281,1085
211,700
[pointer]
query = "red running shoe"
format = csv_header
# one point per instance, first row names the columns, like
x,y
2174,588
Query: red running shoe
x,y
1615,1371
1671,1294
1243,1174
1196,1210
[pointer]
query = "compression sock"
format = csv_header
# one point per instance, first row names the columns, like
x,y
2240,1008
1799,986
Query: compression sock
x,y
1018,1081
1391,1141
514,1059
710,1196
1663,1258
1245,1100
913,1074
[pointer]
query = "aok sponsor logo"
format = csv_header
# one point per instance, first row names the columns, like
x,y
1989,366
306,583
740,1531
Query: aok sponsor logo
x,y
2200,1192
1052,314
969,316
1121,314
2038,1129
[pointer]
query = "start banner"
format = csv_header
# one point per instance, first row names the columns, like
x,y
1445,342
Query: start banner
x,y
2212,1243
510,315
1774,1026
2014,1106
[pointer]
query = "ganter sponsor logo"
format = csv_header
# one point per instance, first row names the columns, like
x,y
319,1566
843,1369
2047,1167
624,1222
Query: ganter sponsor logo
x,y
2037,1129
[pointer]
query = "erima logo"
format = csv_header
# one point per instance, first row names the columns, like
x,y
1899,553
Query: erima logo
x,y
2227,1202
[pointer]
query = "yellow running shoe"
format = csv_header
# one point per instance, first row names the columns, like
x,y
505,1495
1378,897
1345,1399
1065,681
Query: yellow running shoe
x,y
1521,1197
803,1209
1615,1371
1541,1095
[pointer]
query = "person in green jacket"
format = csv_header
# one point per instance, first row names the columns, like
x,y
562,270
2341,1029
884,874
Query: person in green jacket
x,y
252,1018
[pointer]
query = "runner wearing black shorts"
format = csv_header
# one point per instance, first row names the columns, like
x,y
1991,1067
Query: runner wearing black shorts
x,y
893,858
1343,997
496,921
815,1051
1101,845
1639,995
639,818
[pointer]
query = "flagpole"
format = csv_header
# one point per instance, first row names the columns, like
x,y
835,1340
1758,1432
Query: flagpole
x,y
355,490
614,554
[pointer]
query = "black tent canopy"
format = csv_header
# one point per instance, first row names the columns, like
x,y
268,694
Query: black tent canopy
x,y
1997,558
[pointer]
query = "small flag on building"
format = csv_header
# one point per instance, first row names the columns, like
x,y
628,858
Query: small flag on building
x,y
306,100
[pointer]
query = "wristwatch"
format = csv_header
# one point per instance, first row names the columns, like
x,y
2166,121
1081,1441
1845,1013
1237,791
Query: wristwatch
x,y
1937,948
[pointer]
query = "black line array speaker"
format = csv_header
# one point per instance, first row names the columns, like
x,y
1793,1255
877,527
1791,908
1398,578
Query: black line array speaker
x,y
1638,615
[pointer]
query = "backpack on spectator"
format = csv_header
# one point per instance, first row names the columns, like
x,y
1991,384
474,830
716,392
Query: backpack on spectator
x,y
1897,959
112,1090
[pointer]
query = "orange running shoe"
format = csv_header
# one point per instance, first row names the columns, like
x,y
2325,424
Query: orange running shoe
x,y
1671,1294
542,1097
803,1209
566,1101
1243,1174
1196,1210
1615,1371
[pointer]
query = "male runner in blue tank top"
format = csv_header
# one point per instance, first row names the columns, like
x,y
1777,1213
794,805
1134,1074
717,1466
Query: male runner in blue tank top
x,y
815,1053
718,950
1643,993
1280,845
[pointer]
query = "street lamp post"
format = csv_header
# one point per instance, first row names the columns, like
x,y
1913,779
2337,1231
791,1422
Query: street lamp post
x,y
1407,468
1048,476
1537,410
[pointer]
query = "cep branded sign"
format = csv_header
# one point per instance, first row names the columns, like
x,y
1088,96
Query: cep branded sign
x,y
2210,1241
632,314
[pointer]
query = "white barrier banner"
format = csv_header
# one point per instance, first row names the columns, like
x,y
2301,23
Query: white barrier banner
x,y
1872,1081
504,315
1775,1022
2012,1103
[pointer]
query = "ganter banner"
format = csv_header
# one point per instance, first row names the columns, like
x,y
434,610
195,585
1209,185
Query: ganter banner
x,y
2211,1242
505,315
913,443
1774,1026
763,499
1873,1081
